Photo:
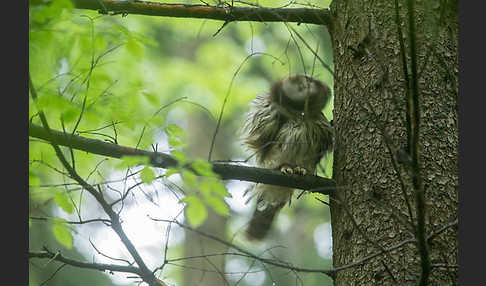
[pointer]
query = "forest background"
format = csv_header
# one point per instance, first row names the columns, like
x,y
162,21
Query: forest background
x,y
165,84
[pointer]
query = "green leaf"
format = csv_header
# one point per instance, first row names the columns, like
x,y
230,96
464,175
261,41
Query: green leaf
x,y
130,161
70,115
135,48
179,156
53,10
100,44
62,233
203,168
218,188
189,178
177,135
218,205
53,101
61,198
171,171
147,175
152,98
33,179
195,210
206,188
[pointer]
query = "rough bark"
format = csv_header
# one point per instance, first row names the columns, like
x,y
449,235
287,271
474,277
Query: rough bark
x,y
370,92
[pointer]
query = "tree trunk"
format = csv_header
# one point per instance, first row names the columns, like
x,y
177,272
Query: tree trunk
x,y
370,92
205,271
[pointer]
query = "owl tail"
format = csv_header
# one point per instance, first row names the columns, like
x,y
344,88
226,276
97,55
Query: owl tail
x,y
262,219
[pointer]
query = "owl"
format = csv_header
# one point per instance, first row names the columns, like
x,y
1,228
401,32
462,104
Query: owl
x,y
287,131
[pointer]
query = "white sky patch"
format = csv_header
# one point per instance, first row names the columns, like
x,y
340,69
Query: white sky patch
x,y
236,268
148,236
283,222
255,44
162,141
255,278
64,68
323,240
144,202
178,116
237,200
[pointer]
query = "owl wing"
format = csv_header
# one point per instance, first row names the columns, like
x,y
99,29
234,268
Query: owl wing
x,y
326,136
262,125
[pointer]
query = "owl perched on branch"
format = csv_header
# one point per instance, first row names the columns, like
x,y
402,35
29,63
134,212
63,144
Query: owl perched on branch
x,y
287,131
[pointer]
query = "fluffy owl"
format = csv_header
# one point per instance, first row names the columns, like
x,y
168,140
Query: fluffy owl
x,y
287,131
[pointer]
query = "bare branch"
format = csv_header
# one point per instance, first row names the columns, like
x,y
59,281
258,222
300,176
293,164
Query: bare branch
x,y
144,272
330,272
53,274
225,171
105,221
247,253
97,266
226,13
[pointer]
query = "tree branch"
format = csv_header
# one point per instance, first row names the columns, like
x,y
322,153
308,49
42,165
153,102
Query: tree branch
x,y
97,266
105,221
145,273
227,13
226,171
273,262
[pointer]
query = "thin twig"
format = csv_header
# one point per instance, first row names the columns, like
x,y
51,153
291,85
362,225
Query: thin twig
x,y
265,260
105,221
144,272
107,256
53,274
227,96
96,266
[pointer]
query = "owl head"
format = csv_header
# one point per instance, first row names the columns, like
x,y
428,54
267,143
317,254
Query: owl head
x,y
300,94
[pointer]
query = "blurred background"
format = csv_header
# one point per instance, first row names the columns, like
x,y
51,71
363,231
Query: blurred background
x,y
131,77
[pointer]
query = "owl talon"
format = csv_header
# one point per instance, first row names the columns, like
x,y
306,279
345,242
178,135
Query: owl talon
x,y
300,171
287,170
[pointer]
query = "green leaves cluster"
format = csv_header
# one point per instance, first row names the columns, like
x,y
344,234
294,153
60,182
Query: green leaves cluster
x,y
147,175
206,188
142,64
59,227
209,192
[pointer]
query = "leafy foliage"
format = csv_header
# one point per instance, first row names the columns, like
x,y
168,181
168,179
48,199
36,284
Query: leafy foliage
x,y
62,233
63,201
135,81
147,175
195,211
131,161
200,176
